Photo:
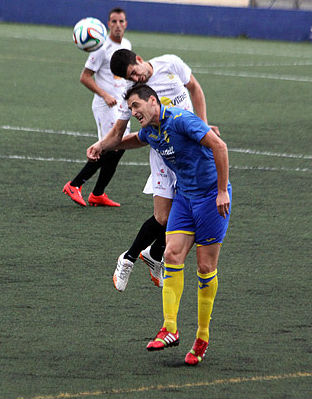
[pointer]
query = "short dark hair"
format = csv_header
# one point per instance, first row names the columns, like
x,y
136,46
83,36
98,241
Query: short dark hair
x,y
143,91
117,10
120,61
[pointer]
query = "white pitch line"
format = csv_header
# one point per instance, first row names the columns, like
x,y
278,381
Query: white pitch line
x,y
270,169
262,168
172,47
252,64
240,150
49,131
305,79
51,159
196,67
270,154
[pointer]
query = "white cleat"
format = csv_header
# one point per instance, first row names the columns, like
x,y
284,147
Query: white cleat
x,y
156,267
122,273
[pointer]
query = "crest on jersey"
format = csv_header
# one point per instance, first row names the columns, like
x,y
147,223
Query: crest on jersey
x,y
166,101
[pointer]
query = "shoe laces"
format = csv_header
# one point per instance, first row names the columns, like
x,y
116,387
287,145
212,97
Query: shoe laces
x,y
163,333
200,348
124,269
78,191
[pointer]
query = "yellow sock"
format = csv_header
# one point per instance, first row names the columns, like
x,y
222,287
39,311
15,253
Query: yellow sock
x,y
207,290
172,292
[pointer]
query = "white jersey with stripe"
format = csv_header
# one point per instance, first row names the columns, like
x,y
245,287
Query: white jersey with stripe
x,y
170,75
99,62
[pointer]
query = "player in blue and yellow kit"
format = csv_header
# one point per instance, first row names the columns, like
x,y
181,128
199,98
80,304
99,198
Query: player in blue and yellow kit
x,y
200,210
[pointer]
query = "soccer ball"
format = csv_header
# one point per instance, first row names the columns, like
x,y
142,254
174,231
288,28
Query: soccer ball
x,y
89,34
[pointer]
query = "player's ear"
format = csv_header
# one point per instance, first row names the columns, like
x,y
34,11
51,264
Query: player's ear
x,y
139,59
154,101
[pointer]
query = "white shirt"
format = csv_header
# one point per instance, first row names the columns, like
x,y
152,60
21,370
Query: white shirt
x,y
170,75
99,62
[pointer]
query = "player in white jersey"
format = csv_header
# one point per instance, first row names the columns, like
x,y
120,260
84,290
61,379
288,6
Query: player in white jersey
x,y
168,75
174,83
108,90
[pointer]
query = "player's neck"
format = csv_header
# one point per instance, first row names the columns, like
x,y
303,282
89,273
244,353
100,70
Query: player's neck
x,y
155,122
115,39
150,69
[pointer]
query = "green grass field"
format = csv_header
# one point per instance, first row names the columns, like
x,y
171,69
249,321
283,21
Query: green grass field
x,y
65,332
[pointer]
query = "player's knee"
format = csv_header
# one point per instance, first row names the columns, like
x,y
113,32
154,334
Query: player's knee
x,y
171,255
205,267
161,217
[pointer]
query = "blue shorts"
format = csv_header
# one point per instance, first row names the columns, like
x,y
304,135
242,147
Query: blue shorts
x,y
199,217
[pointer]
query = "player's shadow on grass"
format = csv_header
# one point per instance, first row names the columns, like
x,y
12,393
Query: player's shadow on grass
x,y
174,363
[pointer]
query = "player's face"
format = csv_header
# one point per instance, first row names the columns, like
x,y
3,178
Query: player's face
x,y
117,25
144,111
138,72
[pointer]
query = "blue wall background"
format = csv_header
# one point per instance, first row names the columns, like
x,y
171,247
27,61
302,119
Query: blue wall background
x,y
172,18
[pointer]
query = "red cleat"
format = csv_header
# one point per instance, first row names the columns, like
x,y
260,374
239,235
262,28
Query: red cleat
x,y
163,339
197,353
101,200
74,193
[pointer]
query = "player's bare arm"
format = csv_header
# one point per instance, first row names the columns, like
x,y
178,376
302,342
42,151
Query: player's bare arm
x,y
215,130
197,97
86,78
131,141
199,101
109,142
220,154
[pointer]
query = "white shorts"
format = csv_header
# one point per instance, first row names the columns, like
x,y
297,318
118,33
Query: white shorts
x,y
105,118
162,180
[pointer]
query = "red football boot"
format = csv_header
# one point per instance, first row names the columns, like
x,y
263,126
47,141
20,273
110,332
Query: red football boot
x,y
101,200
74,193
164,339
197,353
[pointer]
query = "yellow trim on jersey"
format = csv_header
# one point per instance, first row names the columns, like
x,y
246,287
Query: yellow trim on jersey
x,y
166,137
163,115
191,233
166,101
177,116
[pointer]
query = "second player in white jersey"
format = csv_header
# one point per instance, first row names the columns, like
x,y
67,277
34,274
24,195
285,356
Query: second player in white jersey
x,y
169,77
106,115
108,90
99,62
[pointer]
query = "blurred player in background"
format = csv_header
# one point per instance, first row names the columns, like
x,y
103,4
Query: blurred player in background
x,y
108,90
175,84
200,210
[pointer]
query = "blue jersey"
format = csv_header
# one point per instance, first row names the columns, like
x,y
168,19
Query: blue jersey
x,y
177,141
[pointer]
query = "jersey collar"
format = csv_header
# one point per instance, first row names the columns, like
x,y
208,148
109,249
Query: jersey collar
x,y
163,110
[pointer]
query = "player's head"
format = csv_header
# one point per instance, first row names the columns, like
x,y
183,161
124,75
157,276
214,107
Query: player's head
x,y
117,24
144,104
126,64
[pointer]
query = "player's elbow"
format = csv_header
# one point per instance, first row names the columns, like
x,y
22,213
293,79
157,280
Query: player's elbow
x,y
82,78
221,146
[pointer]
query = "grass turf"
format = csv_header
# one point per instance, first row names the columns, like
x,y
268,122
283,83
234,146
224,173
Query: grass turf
x,y
63,326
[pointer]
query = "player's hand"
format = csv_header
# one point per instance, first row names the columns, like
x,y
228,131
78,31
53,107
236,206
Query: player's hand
x,y
94,152
110,100
223,203
215,130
